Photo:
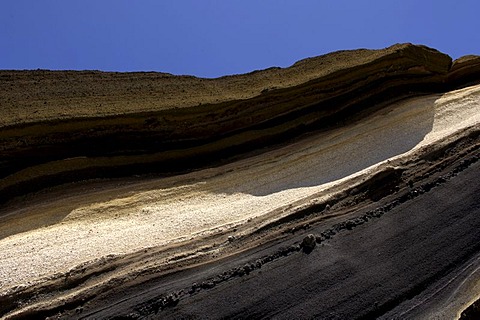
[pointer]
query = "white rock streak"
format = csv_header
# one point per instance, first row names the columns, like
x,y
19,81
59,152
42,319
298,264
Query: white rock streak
x,y
182,207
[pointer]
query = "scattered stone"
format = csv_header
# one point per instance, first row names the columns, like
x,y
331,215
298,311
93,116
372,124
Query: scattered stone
x,y
207,284
239,272
294,248
309,243
284,251
193,288
171,300
350,224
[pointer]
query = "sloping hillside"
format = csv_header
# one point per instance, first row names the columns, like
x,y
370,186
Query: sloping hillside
x,y
150,195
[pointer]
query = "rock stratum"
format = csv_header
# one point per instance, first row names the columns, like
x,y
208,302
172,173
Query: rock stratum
x,y
60,126
152,195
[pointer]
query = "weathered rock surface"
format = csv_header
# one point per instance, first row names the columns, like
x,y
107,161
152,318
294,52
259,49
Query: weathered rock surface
x,y
61,126
464,71
68,251
309,243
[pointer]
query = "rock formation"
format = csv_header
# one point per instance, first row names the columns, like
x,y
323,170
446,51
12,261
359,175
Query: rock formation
x,y
63,126
316,153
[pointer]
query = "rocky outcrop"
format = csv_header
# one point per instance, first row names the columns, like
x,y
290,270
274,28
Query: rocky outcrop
x,y
464,71
58,127
308,243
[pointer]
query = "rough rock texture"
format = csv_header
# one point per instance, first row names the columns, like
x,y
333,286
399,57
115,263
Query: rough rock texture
x,y
472,312
464,71
199,241
309,243
60,126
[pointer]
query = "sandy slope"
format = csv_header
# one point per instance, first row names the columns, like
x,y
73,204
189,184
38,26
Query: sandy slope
x,y
157,212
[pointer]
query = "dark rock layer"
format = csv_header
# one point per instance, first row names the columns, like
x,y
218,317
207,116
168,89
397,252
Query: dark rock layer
x,y
243,113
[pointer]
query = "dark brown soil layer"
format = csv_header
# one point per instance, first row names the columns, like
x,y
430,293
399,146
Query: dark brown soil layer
x,y
63,126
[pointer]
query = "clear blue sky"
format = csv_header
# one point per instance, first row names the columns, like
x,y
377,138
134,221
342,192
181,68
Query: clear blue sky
x,y
213,38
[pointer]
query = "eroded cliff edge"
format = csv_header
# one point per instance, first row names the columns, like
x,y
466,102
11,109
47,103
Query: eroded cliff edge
x,y
63,126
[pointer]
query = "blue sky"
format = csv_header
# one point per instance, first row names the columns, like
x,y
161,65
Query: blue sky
x,y
212,38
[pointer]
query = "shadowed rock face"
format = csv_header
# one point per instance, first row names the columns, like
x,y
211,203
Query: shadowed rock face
x,y
472,312
464,71
66,126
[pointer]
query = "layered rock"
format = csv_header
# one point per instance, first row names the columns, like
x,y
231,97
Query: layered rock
x,y
464,71
60,126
